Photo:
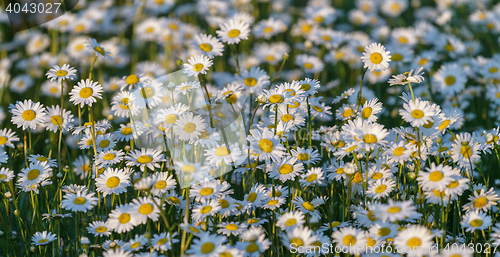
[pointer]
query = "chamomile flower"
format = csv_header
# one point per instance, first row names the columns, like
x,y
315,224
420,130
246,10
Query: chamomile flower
x,y
350,238
54,121
417,112
313,176
61,73
123,104
449,79
28,114
436,177
34,174
397,211
206,245
79,202
43,238
105,142
6,175
233,32
112,181
407,77
370,109
85,93
207,45
265,145
231,228
286,169
376,57
299,236
148,94
7,137
253,80
306,156
310,63
223,154
186,87
145,209
99,51
201,210
99,228
290,220
164,183
415,238
197,65
381,188
189,127
145,158
109,157
482,200
122,218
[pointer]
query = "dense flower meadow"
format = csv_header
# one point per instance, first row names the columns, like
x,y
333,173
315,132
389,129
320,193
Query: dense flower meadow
x,y
252,128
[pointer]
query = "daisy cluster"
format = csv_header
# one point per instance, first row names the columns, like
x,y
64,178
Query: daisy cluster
x,y
252,128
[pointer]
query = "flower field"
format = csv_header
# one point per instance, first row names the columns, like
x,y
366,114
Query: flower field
x,y
231,128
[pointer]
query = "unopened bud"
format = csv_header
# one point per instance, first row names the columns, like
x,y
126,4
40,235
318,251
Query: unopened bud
x,y
16,212
11,200
439,140
90,214
262,99
179,62
33,249
110,117
286,56
66,168
359,156
112,245
7,195
308,44
412,175
20,146
127,148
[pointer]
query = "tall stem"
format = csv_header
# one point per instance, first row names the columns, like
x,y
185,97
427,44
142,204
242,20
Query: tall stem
x,y
360,89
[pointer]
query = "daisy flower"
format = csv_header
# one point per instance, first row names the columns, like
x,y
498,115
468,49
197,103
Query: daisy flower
x,y
201,210
417,112
417,239
376,57
186,87
123,105
7,137
353,239
197,65
61,73
265,145
371,136
298,236
34,174
109,157
54,121
231,228
253,79
85,93
189,127
370,109
145,208
381,188
105,142
310,63
99,51
307,207
145,158
206,245
43,238
291,220
449,79
6,175
28,114
207,45
286,169
313,176
233,32
407,77
164,182
79,202
163,241
436,177
222,154
481,200
397,211
148,94
306,156
122,219
112,181
99,228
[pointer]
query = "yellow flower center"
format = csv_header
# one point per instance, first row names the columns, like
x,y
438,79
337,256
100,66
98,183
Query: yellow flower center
x,y
450,80
297,241
273,202
377,175
126,131
366,113
397,57
436,176
252,197
222,151
384,231
417,114
308,65
266,145
349,240
290,222
476,223
56,120
399,151
147,92
285,169
174,199
376,58
104,143
275,99
198,67
61,73
422,61
3,140
480,202
80,200
109,156
101,229
251,248
394,209
188,168
206,191
146,209
112,182
250,82
86,92
303,157
189,127
171,118
162,241
380,189
33,174
233,33
99,50
311,178
223,203
466,151
308,206
414,242
232,227
370,139
124,218
29,115
206,47
144,159
347,113
206,209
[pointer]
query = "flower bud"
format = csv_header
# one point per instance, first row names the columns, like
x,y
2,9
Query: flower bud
x,y
262,99
110,117
127,148
286,56
66,168
412,175
33,249
7,195
439,140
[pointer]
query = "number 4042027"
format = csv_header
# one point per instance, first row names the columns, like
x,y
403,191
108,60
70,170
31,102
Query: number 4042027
x,y
33,8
